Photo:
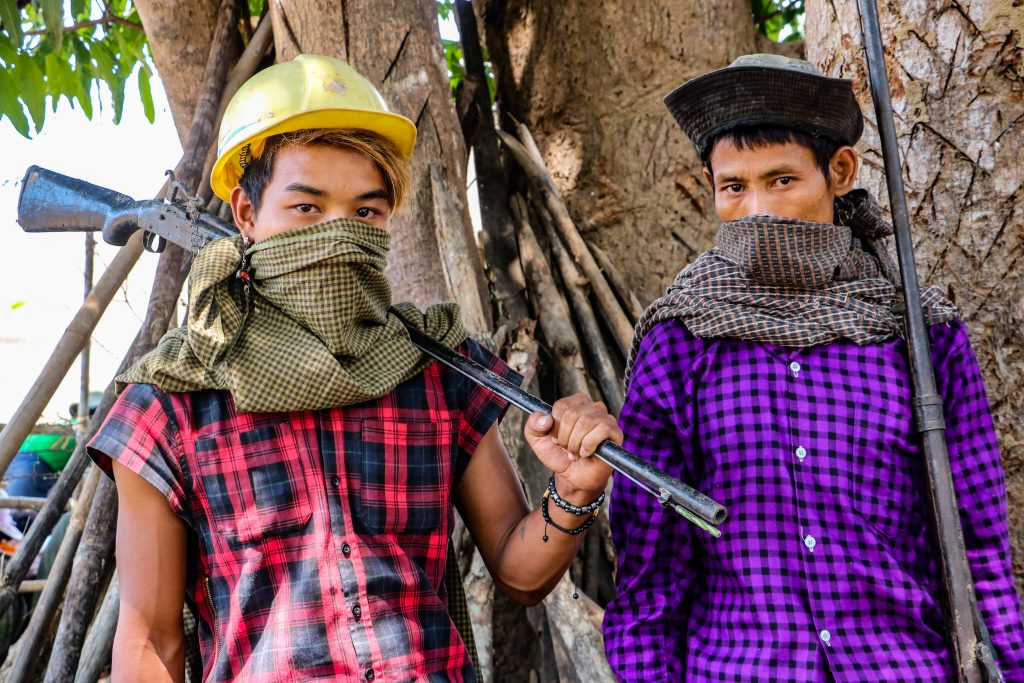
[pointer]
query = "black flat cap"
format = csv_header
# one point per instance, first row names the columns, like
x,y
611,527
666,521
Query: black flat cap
x,y
766,90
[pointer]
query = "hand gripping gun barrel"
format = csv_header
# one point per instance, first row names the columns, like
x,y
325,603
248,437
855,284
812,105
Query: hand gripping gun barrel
x,y
51,202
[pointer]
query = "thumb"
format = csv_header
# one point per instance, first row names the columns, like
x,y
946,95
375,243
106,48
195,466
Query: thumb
x,y
537,426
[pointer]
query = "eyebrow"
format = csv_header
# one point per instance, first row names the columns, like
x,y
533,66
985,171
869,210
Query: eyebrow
x,y
305,189
379,193
778,170
373,194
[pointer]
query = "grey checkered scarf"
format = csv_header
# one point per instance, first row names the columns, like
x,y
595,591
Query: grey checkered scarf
x,y
314,332
794,283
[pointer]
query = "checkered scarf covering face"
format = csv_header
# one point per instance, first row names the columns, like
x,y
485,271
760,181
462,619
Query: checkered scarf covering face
x,y
794,283
314,333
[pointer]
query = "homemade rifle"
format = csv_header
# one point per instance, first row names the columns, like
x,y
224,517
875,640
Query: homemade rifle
x,y
51,202
968,638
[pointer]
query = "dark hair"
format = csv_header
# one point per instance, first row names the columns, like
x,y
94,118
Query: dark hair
x,y
394,168
756,137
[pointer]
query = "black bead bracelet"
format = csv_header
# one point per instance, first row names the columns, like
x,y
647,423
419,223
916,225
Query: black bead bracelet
x,y
569,507
572,532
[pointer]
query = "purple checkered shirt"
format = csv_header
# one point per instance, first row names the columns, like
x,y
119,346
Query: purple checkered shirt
x,y
826,566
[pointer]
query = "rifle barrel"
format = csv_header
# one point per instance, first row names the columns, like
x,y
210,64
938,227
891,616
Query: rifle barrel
x,y
966,633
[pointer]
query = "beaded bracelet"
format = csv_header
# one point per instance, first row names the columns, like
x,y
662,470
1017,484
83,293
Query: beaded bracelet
x,y
572,532
569,507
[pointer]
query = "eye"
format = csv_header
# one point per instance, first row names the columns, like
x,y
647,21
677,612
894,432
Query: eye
x,y
785,180
733,188
305,208
366,212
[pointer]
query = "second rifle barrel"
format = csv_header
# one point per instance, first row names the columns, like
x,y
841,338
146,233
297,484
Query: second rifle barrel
x,y
618,457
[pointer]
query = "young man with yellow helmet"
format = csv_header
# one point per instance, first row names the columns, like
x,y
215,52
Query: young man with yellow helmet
x,y
287,460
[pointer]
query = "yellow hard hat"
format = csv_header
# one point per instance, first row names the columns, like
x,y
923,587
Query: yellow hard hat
x,y
310,91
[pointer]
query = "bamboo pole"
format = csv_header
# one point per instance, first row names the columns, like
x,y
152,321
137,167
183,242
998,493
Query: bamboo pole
x,y
83,390
602,368
554,316
22,502
542,183
95,551
33,640
34,586
459,272
99,644
634,309
70,345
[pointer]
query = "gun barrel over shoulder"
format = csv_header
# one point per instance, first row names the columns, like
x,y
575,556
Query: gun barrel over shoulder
x,y
52,202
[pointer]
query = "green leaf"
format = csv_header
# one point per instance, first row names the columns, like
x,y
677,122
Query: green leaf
x,y
32,88
10,106
53,15
117,97
147,94
10,16
79,10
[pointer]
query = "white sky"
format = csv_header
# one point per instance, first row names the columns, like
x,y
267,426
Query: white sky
x,y
41,275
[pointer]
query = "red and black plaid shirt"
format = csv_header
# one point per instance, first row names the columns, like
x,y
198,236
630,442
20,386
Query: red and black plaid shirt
x,y
321,536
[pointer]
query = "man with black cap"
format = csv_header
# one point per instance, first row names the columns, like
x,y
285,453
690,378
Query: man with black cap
x,y
773,375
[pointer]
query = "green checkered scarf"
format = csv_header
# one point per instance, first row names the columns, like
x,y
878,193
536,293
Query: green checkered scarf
x,y
314,332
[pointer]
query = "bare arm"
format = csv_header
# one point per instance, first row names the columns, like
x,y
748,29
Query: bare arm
x,y
151,553
507,531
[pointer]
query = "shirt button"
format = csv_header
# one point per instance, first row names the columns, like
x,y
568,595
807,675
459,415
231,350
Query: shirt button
x,y
810,542
357,611
794,368
335,481
825,635
346,549
368,674
801,452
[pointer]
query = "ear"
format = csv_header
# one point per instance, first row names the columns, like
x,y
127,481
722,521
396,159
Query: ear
x,y
244,213
843,170
709,179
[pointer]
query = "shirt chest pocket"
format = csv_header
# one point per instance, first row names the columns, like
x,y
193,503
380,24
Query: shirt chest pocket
x,y
404,476
254,483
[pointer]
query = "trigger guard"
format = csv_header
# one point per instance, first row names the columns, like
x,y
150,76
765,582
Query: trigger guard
x,y
153,242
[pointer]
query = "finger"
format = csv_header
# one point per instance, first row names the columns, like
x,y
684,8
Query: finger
x,y
604,432
537,426
565,425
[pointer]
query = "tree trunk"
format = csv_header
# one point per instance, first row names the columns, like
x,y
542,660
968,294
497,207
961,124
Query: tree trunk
x,y
955,72
396,45
588,78
179,35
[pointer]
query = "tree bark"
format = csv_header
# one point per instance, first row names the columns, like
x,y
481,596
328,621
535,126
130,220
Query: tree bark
x,y
588,78
179,34
955,72
396,45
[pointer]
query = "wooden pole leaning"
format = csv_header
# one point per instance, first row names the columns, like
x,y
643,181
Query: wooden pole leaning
x,y
67,350
28,648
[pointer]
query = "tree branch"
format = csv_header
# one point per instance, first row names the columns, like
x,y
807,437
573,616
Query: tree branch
x,y
108,19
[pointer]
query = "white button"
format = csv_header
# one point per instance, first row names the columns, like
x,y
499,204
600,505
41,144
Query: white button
x,y
810,542
795,367
825,635
801,452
